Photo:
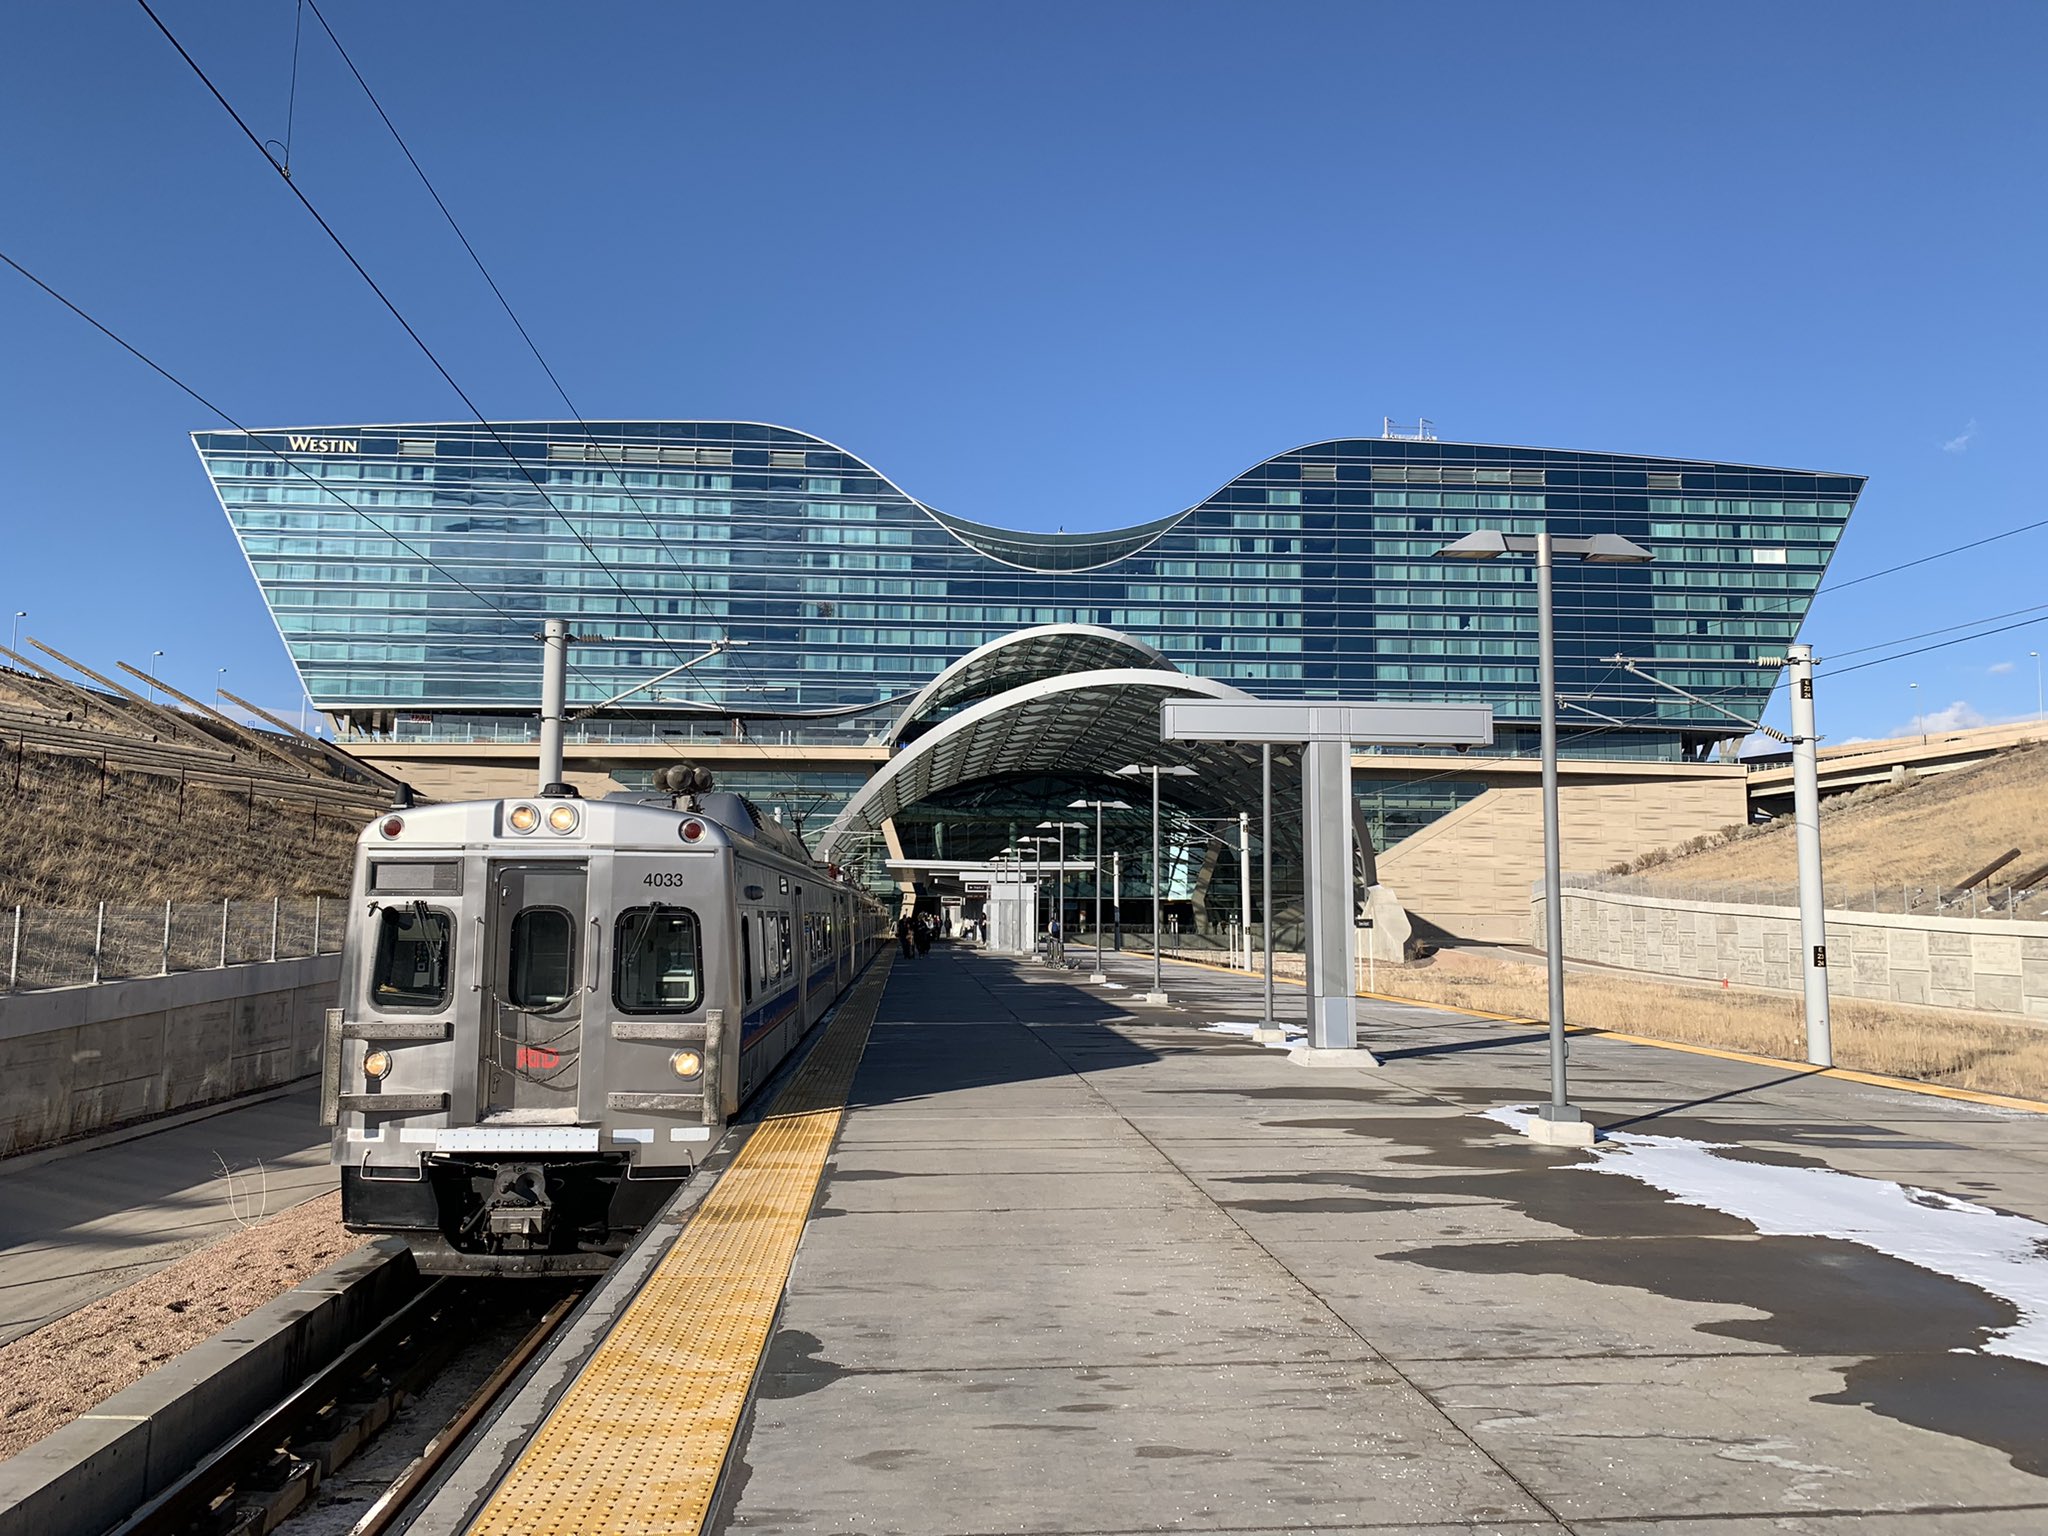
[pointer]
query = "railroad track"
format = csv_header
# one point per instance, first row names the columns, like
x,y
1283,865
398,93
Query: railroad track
x,y
271,1470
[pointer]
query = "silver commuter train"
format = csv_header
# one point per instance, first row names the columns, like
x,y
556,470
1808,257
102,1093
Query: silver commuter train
x,y
552,1006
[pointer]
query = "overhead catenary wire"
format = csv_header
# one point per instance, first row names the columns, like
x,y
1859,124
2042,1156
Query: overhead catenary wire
x,y
517,324
407,326
161,371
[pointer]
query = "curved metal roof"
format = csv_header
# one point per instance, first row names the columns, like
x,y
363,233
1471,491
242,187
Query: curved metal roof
x,y
1081,723
1025,656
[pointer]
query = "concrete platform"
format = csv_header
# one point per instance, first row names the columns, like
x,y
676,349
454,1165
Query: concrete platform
x,y
78,1223
1079,1268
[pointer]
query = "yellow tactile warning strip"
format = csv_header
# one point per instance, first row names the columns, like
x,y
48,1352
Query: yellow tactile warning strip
x,y
1846,1074
637,1443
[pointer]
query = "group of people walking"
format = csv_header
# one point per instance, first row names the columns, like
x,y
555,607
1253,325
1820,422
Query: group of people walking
x,y
915,934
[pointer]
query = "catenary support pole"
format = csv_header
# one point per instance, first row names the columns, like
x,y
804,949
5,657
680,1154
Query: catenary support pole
x,y
1244,884
554,697
1268,1030
1813,929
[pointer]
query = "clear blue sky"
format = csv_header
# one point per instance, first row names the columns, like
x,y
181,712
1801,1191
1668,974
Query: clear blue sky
x,y
1059,264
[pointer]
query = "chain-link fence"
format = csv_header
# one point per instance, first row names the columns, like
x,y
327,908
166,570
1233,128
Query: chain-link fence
x,y
1925,898
72,946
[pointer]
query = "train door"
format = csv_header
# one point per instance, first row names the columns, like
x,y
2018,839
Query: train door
x,y
535,961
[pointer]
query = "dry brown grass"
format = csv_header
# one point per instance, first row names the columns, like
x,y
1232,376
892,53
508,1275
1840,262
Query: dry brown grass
x,y
1961,1052
62,846
74,1364
1934,830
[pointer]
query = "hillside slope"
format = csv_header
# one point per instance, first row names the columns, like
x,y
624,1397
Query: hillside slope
x,y
1930,831
62,845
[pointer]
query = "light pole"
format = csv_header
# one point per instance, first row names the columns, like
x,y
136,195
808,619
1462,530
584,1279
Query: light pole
x,y
1157,996
14,633
1913,700
218,685
1099,806
2038,713
154,658
1060,886
1037,884
1116,896
1559,1122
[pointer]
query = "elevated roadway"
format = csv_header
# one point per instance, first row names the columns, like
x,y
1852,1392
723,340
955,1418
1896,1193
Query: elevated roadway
x,y
1853,765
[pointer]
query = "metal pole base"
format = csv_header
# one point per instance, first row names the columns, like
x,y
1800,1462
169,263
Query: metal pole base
x,y
1156,999
1560,1125
1333,1056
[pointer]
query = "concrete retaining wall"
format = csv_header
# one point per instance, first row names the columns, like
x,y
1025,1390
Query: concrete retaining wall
x,y
88,1474
1984,965
77,1060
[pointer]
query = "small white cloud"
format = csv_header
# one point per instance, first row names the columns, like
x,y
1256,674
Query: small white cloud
x,y
1959,716
1999,668
1960,443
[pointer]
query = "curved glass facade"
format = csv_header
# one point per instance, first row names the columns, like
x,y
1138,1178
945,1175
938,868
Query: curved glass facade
x,y
408,568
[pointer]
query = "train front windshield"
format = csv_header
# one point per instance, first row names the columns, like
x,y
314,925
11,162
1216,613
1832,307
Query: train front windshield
x,y
411,967
660,961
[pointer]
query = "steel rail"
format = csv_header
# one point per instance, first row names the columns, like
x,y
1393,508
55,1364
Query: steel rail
x,y
392,1502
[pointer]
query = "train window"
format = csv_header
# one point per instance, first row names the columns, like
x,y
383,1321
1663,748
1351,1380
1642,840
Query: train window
x,y
543,958
411,965
660,961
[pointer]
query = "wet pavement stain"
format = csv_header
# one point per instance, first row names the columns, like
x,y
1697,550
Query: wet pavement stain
x,y
1921,1333
794,1366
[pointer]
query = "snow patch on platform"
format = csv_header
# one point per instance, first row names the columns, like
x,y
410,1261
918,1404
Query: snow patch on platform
x,y
1995,1252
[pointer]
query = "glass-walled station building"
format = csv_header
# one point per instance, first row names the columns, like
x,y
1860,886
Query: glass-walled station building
x,y
409,567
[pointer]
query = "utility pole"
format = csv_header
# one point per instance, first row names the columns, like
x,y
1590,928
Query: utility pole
x,y
554,697
1813,926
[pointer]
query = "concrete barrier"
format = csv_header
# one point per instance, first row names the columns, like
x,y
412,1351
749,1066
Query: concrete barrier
x,y
77,1060
87,1475
1985,965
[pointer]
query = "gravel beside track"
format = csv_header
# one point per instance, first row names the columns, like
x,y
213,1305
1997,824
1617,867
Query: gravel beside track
x,y
51,1376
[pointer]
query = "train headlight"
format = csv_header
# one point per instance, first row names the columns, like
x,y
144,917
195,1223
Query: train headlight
x,y
377,1066
563,818
523,818
686,1063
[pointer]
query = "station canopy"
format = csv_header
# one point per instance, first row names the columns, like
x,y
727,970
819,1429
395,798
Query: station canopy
x,y
1063,706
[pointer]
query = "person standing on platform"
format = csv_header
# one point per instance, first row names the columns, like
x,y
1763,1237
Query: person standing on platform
x,y
906,935
924,935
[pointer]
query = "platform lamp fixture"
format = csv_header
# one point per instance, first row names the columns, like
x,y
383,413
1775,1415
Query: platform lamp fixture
x,y
1559,1122
1098,806
1157,996
14,633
